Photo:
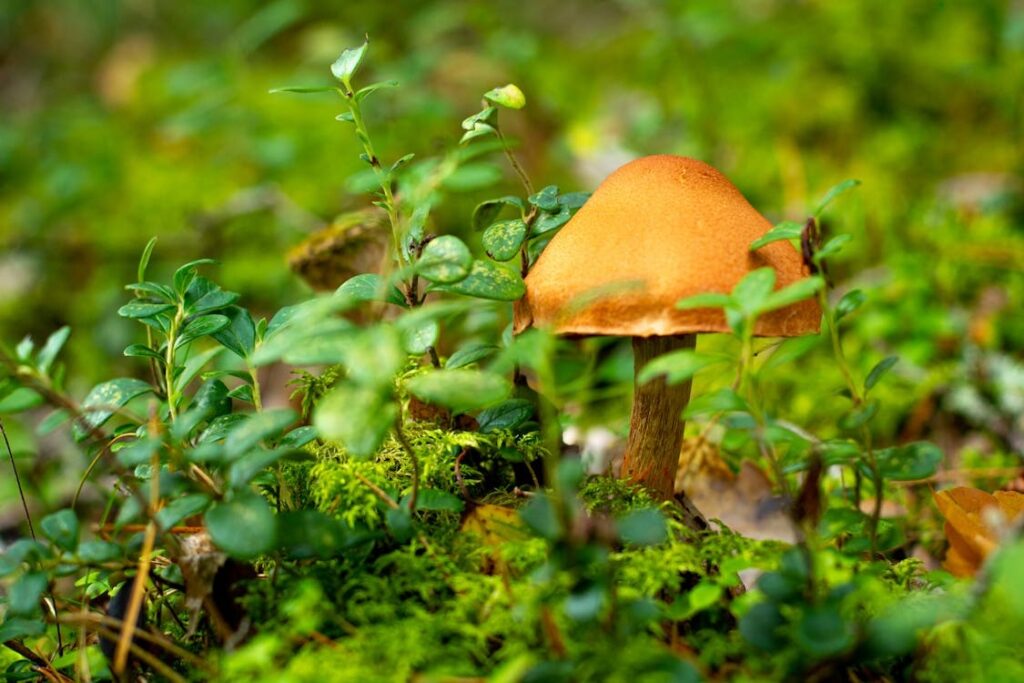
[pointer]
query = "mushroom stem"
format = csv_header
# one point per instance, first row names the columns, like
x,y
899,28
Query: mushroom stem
x,y
656,424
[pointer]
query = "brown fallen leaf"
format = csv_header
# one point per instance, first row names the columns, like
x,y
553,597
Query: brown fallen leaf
x,y
974,521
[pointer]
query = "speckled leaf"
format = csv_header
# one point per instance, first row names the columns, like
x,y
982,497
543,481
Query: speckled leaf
x,y
503,239
551,221
488,280
445,260
104,398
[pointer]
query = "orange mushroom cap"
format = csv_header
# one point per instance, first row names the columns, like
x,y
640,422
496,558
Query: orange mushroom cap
x,y
657,230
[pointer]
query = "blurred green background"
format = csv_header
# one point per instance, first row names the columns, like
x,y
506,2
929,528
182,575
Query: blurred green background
x,y
126,119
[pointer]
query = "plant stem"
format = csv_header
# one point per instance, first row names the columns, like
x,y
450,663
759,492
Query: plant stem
x,y
411,452
172,338
858,400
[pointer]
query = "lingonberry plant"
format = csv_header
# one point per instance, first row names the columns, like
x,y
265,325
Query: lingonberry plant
x,y
412,515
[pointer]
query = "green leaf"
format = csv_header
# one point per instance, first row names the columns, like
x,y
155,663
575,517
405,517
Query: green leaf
x,y
51,348
259,427
362,93
482,118
24,595
239,336
19,400
486,211
539,516
298,437
62,528
460,390
487,280
792,293
184,275
155,289
850,302
677,366
357,416
878,371
912,461
786,230
370,287
344,67
309,534
105,398
436,500
400,162
193,366
823,632
550,221
573,200
761,625
213,300
180,509
399,523
859,417
724,400
509,96
469,354
345,116
373,355
503,239
643,527
147,252
507,415
137,310
834,192
704,300
97,552
244,526
752,292
832,247
202,326
304,89
142,351
546,198
246,468
417,339
21,551
16,628
445,260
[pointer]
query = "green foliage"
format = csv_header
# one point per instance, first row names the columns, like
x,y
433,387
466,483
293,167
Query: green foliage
x,y
409,518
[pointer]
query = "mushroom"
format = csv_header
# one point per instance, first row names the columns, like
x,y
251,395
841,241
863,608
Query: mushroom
x,y
657,230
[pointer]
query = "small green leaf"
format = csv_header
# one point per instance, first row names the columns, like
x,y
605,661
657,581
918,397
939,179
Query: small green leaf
x,y
792,293
482,118
202,326
154,288
752,292
344,67
503,239
507,415
304,89
823,632
436,500
486,211
761,627
239,336
832,247
469,354
573,200
362,93
539,516
550,221
704,300
142,351
677,366
213,300
417,339
445,260
51,348
345,116
360,417
878,371
62,528
24,595
184,275
147,252
509,96
180,509
850,302
401,162
460,390
859,417
487,280
370,287
244,526
17,628
786,230
724,400
142,310
835,192
546,198
917,460
643,527
259,427
105,398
